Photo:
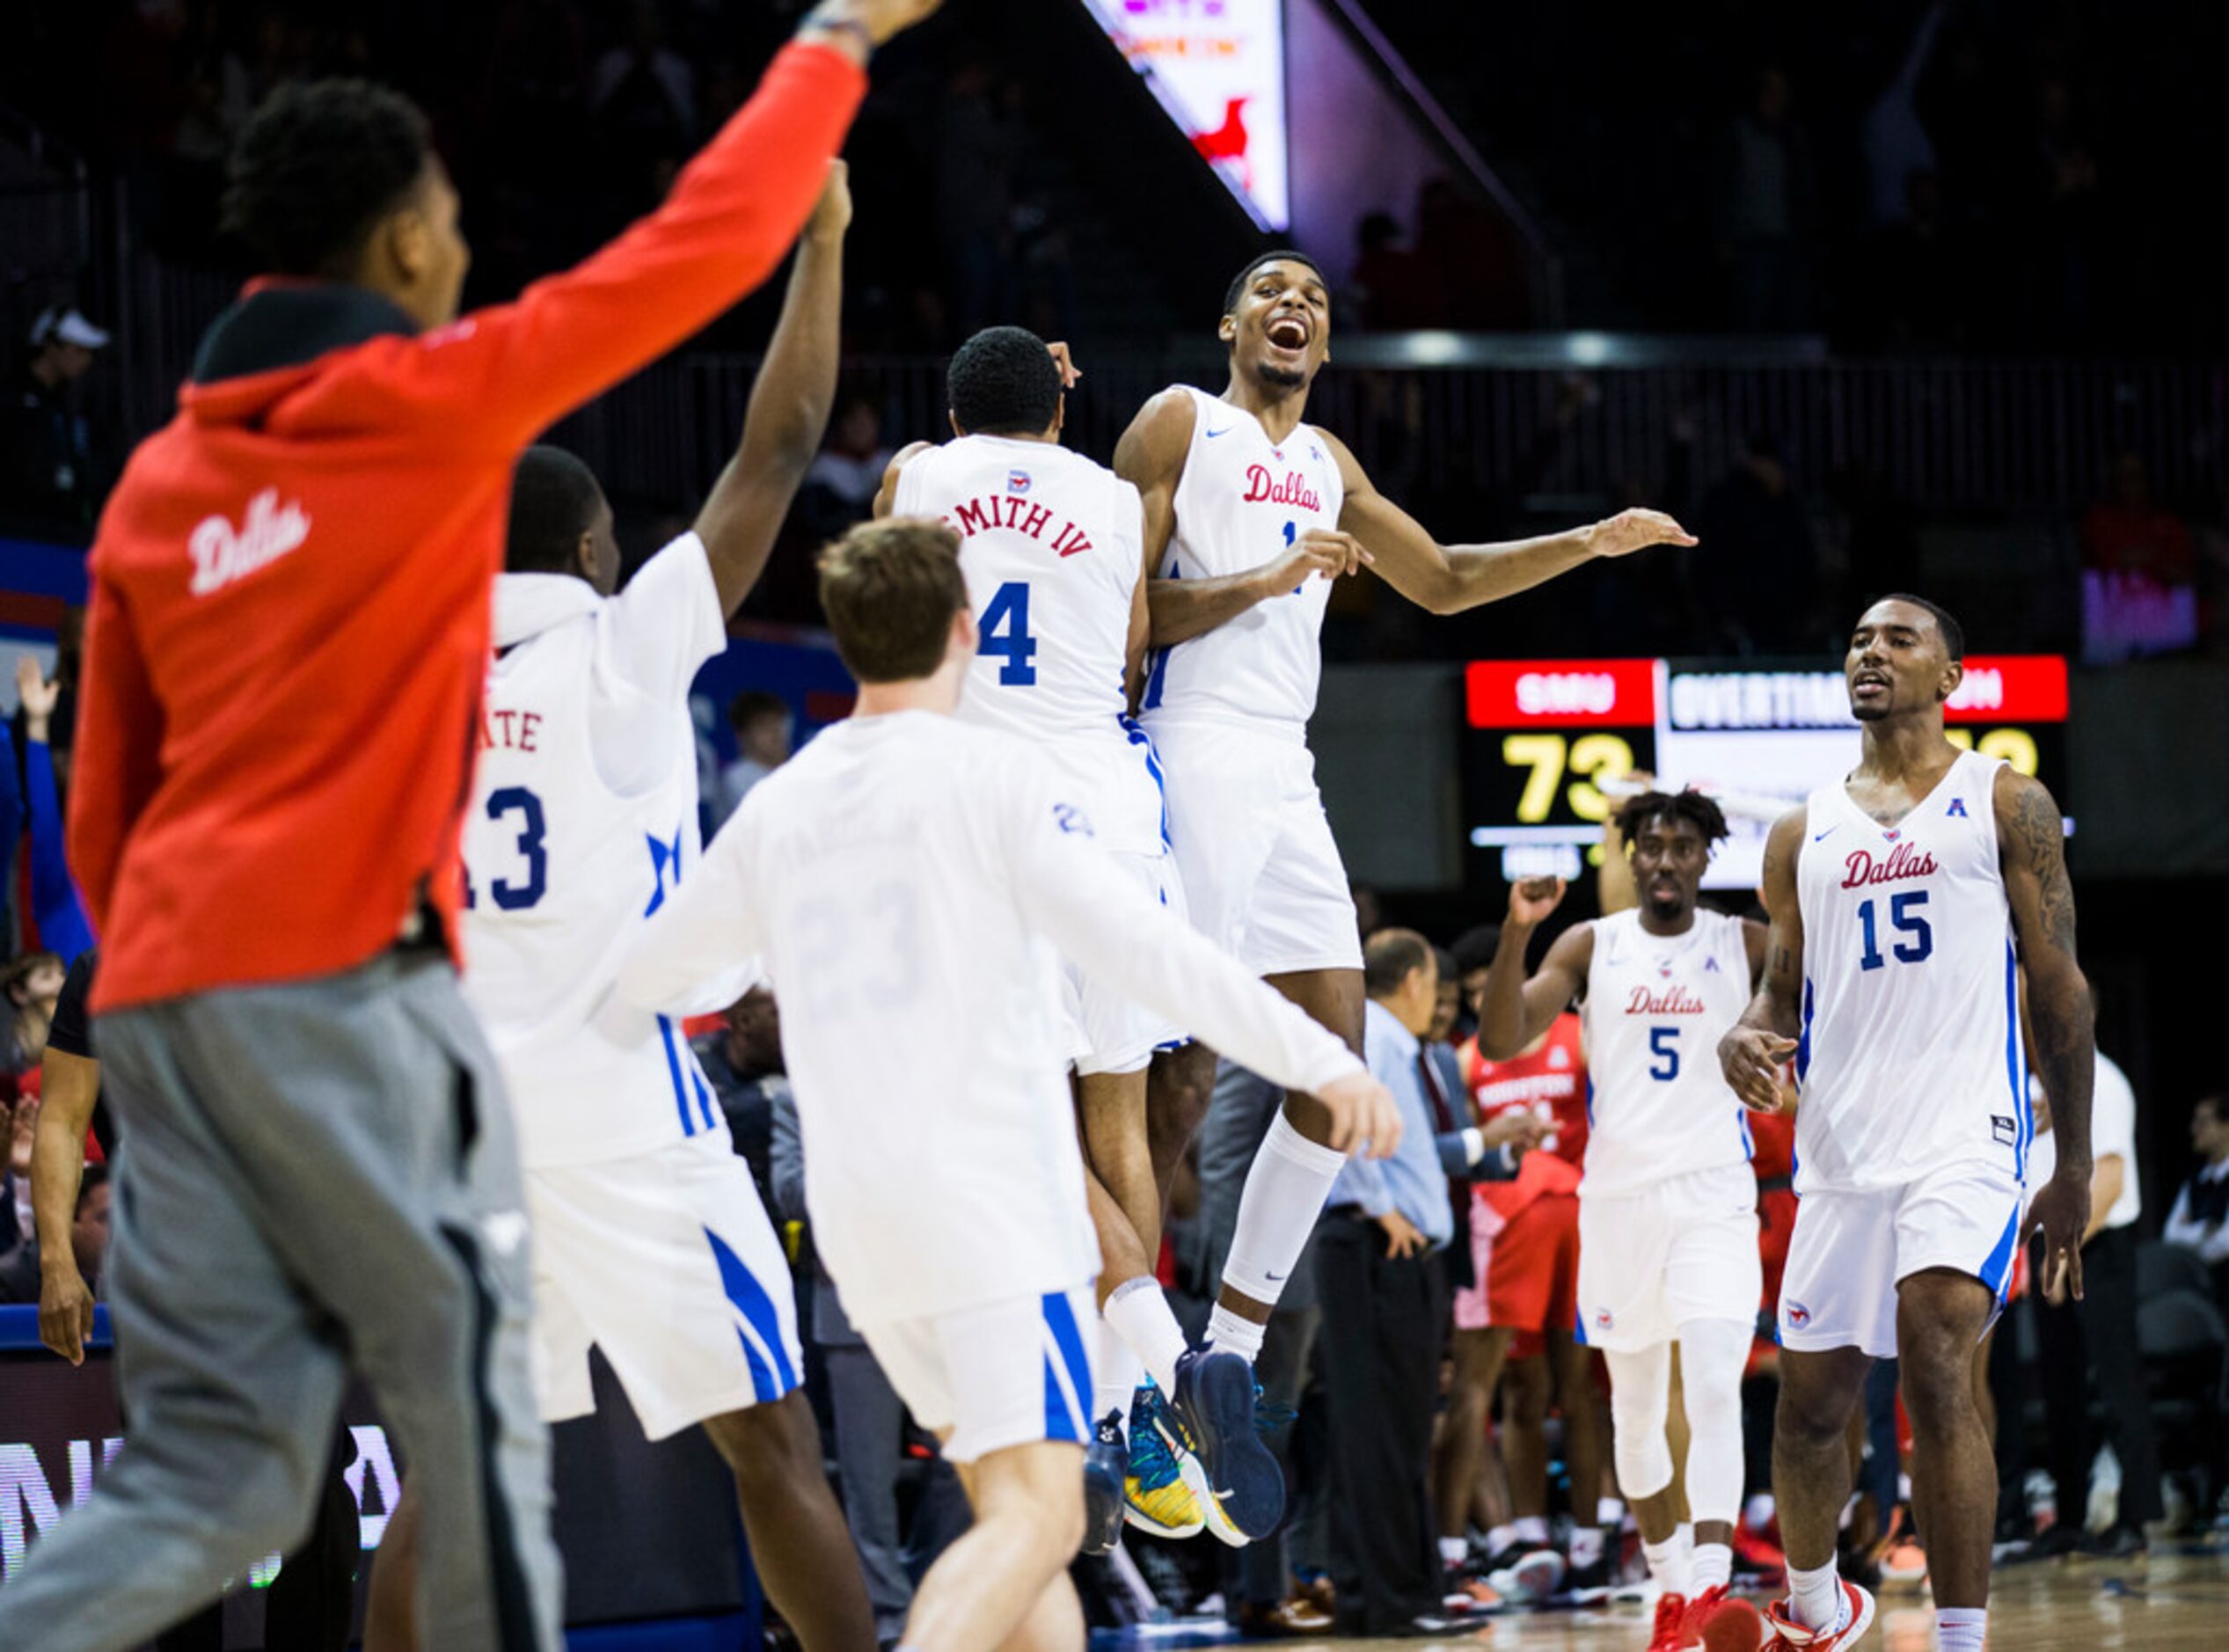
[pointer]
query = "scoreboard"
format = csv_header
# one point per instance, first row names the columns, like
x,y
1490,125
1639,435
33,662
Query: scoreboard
x,y
1549,743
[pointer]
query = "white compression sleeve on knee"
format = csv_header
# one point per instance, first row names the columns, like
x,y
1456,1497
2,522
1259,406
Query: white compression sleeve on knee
x,y
1639,1406
1284,1194
1712,1354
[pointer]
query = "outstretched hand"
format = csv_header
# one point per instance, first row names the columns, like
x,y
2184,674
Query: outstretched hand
x,y
1750,1058
1065,360
1533,899
1324,551
1632,530
2061,1211
881,19
1363,1116
39,696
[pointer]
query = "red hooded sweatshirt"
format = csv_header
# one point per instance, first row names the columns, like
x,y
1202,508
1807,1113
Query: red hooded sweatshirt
x,y
287,634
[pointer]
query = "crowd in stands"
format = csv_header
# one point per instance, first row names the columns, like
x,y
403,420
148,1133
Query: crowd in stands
x,y
1917,175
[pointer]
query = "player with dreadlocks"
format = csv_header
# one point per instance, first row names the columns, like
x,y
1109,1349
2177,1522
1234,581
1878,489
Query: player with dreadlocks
x,y
1668,1239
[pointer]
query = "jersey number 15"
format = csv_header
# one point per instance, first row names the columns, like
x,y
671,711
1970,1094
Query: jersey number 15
x,y
1905,918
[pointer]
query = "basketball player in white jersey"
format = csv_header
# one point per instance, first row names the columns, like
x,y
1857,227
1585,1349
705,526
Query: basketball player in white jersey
x,y
1245,506
650,1241
1902,898
1668,1246
913,882
1050,545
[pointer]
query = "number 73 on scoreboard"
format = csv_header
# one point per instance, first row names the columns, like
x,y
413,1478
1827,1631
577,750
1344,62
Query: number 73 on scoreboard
x,y
1548,745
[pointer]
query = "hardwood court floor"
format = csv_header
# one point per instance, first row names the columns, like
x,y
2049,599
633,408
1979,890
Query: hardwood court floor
x,y
2176,1604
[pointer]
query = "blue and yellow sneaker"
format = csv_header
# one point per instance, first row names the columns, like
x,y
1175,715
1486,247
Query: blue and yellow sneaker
x,y
1157,1495
1106,1467
1210,1418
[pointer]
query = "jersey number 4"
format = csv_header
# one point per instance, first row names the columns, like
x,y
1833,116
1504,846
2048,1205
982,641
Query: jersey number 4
x,y
1904,917
1005,631
515,895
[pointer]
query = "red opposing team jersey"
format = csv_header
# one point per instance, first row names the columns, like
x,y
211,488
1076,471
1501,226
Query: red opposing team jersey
x,y
1550,1079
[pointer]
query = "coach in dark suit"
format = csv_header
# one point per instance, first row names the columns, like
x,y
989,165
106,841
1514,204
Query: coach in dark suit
x,y
1382,1275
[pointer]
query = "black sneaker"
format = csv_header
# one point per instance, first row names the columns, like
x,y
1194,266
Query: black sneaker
x,y
1596,1575
1211,1416
2122,1543
1106,1461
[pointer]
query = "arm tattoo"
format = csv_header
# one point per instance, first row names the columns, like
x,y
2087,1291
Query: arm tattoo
x,y
2039,839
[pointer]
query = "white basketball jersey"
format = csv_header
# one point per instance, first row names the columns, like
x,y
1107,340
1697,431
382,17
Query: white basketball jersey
x,y
912,883
1910,1055
1656,1006
583,817
1052,547
1242,499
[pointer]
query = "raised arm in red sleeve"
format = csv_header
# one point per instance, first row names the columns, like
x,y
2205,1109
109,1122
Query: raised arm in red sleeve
x,y
516,369
116,763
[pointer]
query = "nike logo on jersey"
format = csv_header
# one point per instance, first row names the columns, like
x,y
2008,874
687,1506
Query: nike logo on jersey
x,y
1213,433
1820,837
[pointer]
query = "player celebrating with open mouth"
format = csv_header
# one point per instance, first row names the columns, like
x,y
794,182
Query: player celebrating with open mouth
x,y
1245,504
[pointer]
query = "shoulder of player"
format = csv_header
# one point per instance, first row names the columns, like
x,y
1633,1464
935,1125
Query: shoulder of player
x,y
1352,475
1574,948
1151,452
2029,823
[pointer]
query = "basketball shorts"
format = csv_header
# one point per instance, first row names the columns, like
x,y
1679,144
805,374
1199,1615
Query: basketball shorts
x,y
1527,1273
665,1262
1851,1250
1003,1373
1261,872
1668,1254
1108,1033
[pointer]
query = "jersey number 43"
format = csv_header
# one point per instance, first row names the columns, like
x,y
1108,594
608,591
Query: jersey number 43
x,y
517,892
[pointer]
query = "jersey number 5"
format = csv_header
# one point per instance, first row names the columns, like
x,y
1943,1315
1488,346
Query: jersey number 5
x,y
1005,630
1903,916
1663,1043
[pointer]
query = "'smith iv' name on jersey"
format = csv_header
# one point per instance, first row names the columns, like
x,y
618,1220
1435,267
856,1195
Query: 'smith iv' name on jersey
x,y
1051,546
1909,1056
1656,1006
583,818
1242,499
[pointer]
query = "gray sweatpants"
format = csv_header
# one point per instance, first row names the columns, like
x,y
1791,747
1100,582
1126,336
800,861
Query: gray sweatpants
x,y
315,1176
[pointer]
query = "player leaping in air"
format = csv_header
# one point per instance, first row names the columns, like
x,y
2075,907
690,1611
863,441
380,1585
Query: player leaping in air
x,y
1245,505
1904,898
1667,1204
912,881
1050,545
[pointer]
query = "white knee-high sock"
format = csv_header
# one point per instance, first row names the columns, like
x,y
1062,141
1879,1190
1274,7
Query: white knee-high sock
x,y
1285,1194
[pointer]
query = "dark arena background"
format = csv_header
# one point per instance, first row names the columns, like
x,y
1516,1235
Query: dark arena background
x,y
1874,297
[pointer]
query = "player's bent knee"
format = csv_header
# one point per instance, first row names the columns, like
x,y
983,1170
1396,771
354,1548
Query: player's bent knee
x,y
778,1438
1039,1489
